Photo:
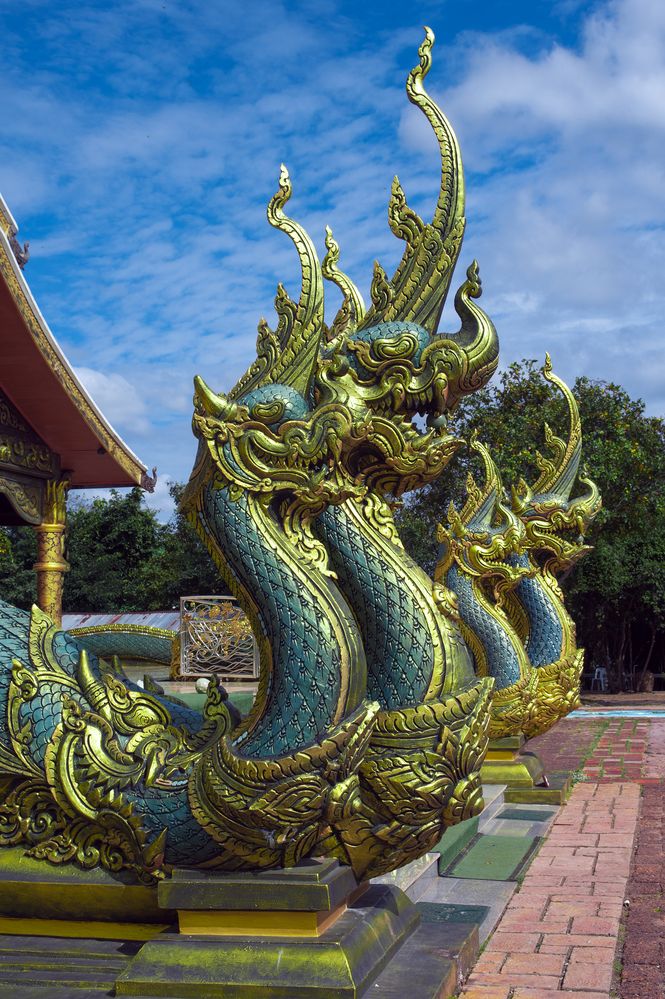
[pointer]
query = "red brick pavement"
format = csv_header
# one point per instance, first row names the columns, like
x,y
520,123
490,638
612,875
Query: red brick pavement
x,y
566,746
603,749
620,753
558,935
559,931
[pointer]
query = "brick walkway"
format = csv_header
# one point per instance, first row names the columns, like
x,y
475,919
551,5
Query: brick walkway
x,y
566,746
558,935
620,752
559,931
604,750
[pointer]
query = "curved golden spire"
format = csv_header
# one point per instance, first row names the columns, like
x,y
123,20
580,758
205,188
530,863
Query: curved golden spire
x,y
450,204
418,289
289,354
558,473
486,505
476,337
352,308
546,507
484,532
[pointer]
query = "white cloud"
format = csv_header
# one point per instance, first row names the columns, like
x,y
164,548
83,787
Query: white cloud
x,y
565,151
118,399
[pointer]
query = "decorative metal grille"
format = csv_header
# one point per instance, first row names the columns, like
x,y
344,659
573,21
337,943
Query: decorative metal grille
x,y
216,639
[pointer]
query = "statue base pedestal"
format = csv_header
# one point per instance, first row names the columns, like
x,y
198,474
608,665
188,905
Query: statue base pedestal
x,y
310,931
63,900
523,774
507,763
307,931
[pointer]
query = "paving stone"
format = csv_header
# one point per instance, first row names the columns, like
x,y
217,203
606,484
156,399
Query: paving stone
x,y
534,964
513,943
596,975
487,992
539,981
595,925
537,993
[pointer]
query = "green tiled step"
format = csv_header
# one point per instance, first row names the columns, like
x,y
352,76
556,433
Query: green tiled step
x,y
455,841
494,858
526,814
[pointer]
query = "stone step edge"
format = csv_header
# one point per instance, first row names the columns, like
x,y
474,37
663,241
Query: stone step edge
x,y
495,804
412,877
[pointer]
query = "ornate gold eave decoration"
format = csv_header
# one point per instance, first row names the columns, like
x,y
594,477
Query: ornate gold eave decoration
x,y
7,220
48,346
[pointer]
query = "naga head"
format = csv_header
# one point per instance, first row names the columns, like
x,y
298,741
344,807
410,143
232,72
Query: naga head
x,y
553,521
485,533
343,403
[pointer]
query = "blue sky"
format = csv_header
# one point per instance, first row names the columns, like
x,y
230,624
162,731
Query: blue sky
x,y
142,141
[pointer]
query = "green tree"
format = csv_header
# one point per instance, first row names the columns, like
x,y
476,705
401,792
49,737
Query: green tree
x,y
111,544
617,593
121,558
182,566
18,554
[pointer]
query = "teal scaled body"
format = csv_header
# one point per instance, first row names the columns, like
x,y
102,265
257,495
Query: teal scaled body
x,y
499,643
306,665
545,641
400,657
160,808
307,635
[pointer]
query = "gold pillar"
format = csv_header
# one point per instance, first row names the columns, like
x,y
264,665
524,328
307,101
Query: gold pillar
x,y
51,564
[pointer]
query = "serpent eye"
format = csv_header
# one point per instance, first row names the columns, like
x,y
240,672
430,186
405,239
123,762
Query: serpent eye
x,y
268,412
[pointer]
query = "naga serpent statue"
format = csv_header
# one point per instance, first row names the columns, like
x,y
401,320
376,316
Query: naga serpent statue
x,y
370,724
501,559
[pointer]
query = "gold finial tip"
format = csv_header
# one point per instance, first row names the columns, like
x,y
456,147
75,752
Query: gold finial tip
x,y
415,77
332,248
547,367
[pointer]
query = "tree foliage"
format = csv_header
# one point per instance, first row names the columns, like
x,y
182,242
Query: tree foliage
x,y
617,593
121,558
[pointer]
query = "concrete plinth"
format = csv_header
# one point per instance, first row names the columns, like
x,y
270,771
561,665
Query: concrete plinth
x,y
304,932
508,763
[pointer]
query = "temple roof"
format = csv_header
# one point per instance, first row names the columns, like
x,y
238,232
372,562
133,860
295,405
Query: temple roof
x,y
39,381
